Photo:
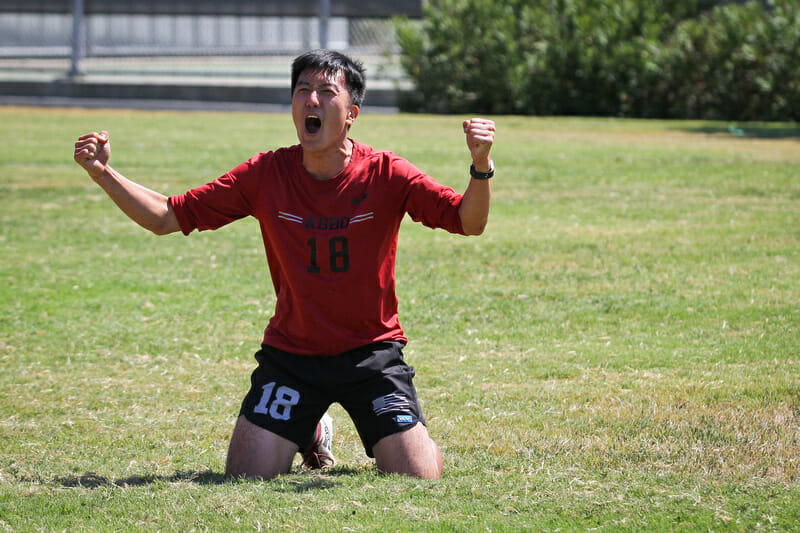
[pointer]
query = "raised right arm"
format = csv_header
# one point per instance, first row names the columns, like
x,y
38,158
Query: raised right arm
x,y
148,208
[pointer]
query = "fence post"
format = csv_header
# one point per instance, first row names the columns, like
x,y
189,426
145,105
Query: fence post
x,y
324,15
78,37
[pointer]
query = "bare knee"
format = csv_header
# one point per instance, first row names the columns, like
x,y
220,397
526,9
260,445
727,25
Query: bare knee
x,y
411,453
255,452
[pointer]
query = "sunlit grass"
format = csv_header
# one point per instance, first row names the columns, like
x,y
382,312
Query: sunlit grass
x,y
619,349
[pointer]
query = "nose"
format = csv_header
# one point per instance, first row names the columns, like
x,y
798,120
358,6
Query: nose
x,y
313,98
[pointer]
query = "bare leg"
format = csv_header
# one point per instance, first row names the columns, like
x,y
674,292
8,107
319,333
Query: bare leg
x,y
411,452
256,452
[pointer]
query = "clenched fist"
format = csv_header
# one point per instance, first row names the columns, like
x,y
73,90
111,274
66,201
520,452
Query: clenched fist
x,y
92,152
480,136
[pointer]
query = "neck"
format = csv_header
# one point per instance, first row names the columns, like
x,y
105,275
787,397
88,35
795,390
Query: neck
x,y
326,165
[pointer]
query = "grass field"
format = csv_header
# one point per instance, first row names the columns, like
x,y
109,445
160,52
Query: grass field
x,y
619,350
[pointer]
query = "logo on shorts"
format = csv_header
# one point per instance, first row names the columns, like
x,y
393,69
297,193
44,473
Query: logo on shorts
x,y
393,402
404,419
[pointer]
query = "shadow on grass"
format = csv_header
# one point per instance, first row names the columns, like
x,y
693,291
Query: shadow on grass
x,y
749,131
293,482
91,480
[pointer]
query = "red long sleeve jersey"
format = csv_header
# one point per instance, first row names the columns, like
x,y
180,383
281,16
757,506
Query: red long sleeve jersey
x,y
331,244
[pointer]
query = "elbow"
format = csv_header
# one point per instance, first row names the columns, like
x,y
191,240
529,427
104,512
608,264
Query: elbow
x,y
475,229
164,224
163,227
159,231
474,217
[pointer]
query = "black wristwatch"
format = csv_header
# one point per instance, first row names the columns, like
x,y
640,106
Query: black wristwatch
x,y
482,175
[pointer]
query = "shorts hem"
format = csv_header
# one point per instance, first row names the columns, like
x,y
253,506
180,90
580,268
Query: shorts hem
x,y
255,423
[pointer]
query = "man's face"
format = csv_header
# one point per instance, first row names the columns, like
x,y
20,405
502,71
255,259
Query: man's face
x,y
321,110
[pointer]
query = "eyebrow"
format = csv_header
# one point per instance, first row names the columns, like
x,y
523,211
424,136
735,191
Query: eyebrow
x,y
320,86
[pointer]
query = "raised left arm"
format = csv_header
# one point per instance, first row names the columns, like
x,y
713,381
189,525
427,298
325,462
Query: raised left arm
x,y
474,210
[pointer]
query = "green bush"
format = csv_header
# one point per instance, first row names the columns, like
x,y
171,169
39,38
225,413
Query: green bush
x,y
657,58
468,55
735,62
597,53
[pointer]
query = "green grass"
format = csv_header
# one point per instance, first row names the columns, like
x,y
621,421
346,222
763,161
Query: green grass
x,y
618,351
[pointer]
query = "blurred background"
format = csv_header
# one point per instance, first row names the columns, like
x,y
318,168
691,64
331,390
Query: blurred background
x,y
729,60
122,48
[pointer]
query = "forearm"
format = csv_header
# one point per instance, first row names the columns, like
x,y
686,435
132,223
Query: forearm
x,y
474,210
146,207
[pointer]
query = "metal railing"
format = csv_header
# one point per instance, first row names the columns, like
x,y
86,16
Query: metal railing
x,y
92,28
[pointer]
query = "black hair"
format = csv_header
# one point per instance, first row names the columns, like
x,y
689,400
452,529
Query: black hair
x,y
333,62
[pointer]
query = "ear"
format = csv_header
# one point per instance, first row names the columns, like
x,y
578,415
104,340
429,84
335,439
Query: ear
x,y
352,114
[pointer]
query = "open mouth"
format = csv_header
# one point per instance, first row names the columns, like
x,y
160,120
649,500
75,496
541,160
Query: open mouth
x,y
313,124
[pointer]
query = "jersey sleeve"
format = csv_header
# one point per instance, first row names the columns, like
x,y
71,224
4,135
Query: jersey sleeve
x,y
429,202
220,202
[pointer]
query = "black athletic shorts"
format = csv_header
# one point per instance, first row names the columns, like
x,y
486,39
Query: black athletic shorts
x,y
289,393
